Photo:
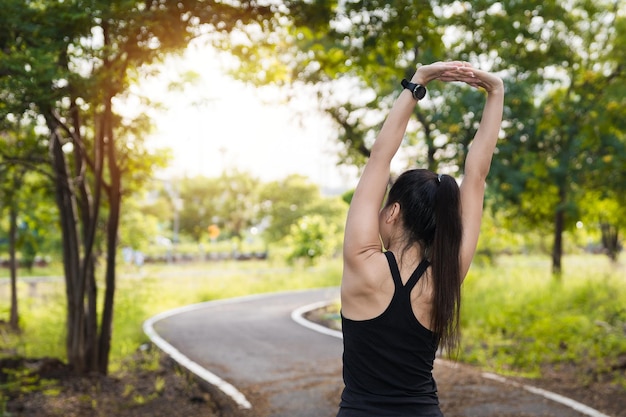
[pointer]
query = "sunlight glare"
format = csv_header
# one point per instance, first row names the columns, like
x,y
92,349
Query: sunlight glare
x,y
218,124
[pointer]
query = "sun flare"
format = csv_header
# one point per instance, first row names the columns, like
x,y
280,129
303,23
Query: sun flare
x,y
218,124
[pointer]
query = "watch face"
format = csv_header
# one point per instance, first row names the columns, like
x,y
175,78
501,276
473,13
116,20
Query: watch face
x,y
419,92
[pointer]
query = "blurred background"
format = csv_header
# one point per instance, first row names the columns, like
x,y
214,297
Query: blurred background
x,y
174,138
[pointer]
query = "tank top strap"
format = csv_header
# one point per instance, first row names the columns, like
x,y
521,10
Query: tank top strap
x,y
417,274
393,266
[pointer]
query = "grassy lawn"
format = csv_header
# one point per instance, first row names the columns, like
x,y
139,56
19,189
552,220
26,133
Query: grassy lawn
x,y
143,293
517,318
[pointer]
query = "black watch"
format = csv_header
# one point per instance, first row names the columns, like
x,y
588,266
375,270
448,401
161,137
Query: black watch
x,y
418,90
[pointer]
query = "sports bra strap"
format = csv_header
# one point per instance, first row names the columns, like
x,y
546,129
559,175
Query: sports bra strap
x,y
393,266
417,274
395,272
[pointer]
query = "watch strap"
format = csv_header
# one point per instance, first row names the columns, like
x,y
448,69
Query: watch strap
x,y
408,85
417,90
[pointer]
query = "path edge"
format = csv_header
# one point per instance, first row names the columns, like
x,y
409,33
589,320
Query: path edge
x,y
225,387
207,376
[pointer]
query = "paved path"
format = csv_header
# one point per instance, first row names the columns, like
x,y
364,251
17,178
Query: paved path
x,y
272,366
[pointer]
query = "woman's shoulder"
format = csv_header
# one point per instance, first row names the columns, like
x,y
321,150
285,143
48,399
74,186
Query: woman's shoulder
x,y
366,267
366,287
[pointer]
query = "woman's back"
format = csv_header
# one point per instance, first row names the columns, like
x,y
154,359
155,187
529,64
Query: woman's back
x,y
388,359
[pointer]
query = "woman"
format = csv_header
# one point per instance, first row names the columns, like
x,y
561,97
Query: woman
x,y
400,302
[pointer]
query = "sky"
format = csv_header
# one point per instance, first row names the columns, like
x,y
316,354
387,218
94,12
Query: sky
x,y
220,124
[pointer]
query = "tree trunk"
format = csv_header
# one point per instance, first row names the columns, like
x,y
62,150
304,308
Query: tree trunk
x,y
74,280
559,227
14,319
92,317
106,327
610,240
115,199
89,204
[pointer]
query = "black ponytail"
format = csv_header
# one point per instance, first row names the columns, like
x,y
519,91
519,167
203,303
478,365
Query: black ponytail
x,y
445,263
431,214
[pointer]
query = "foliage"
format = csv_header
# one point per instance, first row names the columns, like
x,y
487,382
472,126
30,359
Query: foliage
x,y
243,208
348,52
517,321
137,228
313,238
564,72
285,202
564,64
228,201
238,203
200,204
25,199
64,64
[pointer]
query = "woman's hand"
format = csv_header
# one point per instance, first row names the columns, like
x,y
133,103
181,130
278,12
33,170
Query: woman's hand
x,y
444,71
483,79
458,71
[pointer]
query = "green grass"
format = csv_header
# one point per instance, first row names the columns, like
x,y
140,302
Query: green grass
x,y
143,293
518,319
54,269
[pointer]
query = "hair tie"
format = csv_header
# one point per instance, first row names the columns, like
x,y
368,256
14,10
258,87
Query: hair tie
x,y
439,178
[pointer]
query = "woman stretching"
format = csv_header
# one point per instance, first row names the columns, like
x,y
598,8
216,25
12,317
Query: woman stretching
x,y
404,263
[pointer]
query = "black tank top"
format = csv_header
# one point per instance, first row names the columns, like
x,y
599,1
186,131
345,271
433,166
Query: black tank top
x,y
388,360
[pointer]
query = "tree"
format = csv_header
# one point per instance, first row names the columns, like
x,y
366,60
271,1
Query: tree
x,y
312,238
238,202
137,227
230,201
568,56
66,63
296,215
284,202
20,158
201,198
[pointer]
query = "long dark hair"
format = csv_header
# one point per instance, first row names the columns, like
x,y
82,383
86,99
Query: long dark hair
x,y
431,213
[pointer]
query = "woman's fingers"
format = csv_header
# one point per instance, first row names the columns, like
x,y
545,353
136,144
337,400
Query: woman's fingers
x,y
438,70
461,71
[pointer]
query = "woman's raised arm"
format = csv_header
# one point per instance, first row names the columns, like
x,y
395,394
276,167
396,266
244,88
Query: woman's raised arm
x,y
478,162
362,234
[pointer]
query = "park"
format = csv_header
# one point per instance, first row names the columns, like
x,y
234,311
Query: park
x,y
109,217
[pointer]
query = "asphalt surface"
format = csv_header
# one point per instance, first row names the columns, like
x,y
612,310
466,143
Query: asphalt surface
x,y
268,365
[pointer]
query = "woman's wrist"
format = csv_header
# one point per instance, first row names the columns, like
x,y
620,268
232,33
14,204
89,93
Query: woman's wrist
x,y
420,78
496,88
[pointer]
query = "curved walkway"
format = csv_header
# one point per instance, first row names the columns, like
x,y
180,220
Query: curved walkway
x,y
270,363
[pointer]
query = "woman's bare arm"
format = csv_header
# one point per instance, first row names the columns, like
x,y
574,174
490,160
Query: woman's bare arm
x,y
478,162
362,234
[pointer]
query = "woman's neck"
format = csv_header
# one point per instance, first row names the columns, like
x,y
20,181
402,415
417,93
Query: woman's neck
x,y
408,256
